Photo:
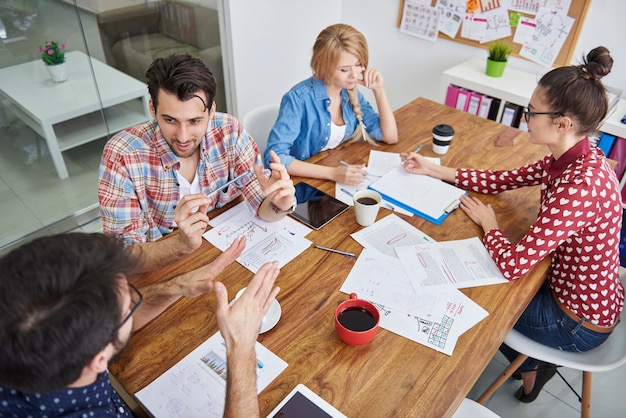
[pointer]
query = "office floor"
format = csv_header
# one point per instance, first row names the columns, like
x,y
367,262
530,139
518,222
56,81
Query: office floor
x,y
32,197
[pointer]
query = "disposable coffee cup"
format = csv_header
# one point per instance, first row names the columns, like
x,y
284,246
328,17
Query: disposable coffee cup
x,y
366,205
356,321
442,136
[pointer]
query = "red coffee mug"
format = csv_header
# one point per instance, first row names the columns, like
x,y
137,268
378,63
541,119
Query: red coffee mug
x,y
356,321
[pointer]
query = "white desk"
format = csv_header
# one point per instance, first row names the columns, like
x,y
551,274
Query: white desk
x,y
95,101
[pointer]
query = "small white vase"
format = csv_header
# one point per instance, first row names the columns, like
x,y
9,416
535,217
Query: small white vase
x,y
57,72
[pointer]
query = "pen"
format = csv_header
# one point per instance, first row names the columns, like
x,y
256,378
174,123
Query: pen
x,y
416,151
239,177
455,204
346,192
342,162
332,250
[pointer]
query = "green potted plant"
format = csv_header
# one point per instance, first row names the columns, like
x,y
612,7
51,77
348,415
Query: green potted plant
x,y
499,52
53,55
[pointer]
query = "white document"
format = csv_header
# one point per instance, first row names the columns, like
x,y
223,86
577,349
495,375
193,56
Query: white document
x,y
388,233
196,385
457,263
420,20
427,195
552,29
379,163
434,318
278,241
451,15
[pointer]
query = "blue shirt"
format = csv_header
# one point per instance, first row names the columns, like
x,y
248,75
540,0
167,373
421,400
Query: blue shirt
x,y
303,125
98,399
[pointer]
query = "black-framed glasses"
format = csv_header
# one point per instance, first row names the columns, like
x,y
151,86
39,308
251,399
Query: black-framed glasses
x,y
527,114
136,300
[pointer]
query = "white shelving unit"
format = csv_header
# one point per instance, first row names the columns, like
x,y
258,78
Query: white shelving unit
x,y
514,86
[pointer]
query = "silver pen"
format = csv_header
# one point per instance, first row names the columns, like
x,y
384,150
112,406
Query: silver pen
x,y
332,250
416,151
239,177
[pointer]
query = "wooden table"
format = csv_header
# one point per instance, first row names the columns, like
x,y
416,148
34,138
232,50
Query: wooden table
x,y
391,376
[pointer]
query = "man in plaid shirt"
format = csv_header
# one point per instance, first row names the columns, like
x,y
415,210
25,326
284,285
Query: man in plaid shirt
x,y
168,173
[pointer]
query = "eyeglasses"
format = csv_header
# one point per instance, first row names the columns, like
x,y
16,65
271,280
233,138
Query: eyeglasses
x,y
527,114
136,300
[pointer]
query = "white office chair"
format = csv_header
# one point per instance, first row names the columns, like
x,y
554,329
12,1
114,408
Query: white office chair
x,y
259,122
610,355
471,409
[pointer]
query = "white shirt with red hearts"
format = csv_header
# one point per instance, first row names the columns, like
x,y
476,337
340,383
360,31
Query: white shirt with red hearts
x,y
578,226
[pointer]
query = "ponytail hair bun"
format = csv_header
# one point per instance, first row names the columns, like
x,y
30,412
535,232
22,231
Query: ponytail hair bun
x,y
597,63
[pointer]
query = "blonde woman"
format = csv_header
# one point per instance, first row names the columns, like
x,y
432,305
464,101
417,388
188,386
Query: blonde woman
x,y
326,109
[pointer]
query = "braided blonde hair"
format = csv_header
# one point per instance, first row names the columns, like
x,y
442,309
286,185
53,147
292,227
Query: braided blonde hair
x,y
327,50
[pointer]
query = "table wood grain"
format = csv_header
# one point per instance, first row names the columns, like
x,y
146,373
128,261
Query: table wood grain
x,y
391,376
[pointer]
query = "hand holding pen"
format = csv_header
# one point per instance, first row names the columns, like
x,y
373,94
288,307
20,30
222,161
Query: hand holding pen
x,y
405,156
352,174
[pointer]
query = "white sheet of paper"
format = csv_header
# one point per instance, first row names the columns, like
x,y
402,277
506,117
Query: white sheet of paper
x,y
265,241
457,263
196,385
435,318
388,233
379,164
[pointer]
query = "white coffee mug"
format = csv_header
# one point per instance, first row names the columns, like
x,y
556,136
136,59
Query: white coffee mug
x,y
366,205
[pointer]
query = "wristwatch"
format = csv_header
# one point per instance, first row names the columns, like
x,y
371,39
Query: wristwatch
x,y
279,211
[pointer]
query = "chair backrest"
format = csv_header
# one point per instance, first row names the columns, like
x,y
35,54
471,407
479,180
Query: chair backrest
x,y
609,355
259,122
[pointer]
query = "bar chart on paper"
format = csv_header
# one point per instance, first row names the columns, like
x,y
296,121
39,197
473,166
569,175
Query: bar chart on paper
x,y
215,363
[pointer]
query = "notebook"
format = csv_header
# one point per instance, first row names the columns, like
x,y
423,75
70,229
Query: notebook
x,y
425,196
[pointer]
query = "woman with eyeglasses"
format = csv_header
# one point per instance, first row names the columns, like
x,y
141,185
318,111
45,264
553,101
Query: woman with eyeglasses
x,y
579,219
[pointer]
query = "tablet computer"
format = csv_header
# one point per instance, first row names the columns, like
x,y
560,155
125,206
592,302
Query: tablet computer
x,y
316,208
302,402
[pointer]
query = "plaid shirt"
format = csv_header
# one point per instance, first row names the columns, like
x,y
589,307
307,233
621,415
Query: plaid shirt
x,y
138,188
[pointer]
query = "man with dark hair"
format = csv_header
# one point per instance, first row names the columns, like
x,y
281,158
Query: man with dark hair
x,y
169,172
67,309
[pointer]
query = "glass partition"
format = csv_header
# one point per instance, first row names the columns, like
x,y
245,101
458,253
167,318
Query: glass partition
x,y
52,133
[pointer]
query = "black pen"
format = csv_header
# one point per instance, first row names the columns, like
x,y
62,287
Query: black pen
x,y
332,250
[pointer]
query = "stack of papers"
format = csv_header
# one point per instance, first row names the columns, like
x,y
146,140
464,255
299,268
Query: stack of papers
x,y
415,287
425,196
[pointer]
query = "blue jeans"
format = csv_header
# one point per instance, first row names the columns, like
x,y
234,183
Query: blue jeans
x,y
545,322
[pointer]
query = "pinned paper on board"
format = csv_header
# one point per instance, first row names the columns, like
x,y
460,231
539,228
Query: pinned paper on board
x,y
451,16
420,20
552,28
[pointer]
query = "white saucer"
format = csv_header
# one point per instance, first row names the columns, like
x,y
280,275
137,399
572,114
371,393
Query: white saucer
x,y
271,317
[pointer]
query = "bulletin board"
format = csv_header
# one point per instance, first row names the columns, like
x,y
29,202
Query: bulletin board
x,y
577,10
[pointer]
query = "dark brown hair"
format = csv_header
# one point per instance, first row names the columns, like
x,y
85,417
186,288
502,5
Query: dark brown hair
x,y
576,90
60,305
183,75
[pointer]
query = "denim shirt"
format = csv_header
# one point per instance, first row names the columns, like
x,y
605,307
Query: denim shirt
x,y
303,125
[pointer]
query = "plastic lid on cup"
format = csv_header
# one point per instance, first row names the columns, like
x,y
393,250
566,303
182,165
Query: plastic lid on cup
x,y
443,130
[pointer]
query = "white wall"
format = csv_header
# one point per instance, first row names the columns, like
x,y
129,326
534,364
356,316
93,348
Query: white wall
x,y
271,43
272,49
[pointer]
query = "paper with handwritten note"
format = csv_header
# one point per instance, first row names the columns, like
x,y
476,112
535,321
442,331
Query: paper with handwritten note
x,y
265,241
